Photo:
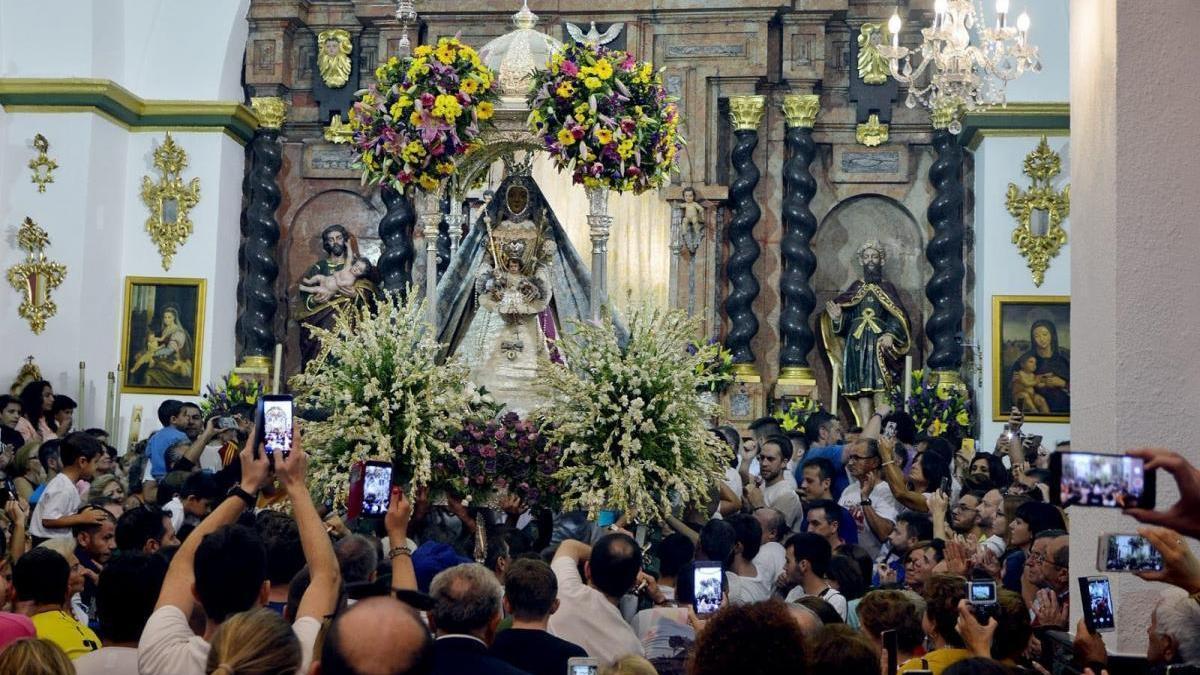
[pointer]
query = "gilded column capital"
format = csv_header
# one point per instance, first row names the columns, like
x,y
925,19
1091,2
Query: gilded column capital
x,y
271,111
800,110
746,111
945,113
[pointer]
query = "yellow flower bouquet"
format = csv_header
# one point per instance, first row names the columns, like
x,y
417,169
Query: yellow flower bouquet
x,y
422,113
606,116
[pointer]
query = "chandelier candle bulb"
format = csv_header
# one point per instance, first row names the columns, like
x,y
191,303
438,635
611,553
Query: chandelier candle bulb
x,y
894,28
1023,27
1001,13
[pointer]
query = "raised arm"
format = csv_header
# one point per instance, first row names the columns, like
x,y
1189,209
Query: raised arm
x,y
181,575
404,576
896,481
573,549
320,600
191,456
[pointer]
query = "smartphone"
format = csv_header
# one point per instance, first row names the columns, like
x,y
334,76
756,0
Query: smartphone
x,y
1127,553
582,665
947,486
981,595
891,645
377,489
706,587
889,431
1094,479
274,424
1099,614
5,496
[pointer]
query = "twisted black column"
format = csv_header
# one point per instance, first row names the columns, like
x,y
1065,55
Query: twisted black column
x,y
396,235
944,252
799,226
740,266
260,235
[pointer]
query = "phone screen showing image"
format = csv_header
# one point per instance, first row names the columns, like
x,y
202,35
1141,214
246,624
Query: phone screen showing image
x,y
277,426
706,588
377,489
1129,553
584,670
982,592
1113,481
1098,609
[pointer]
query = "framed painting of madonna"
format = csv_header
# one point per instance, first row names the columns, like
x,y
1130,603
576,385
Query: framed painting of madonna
x,y
162,335
1031,357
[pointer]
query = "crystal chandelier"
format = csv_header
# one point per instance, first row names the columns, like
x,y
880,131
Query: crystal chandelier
x,y
962,75
406,14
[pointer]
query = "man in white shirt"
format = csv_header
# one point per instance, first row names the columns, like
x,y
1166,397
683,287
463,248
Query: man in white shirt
x,y
56,512
224,566
747,584
868,497
778,488
587,612
771,558
808,557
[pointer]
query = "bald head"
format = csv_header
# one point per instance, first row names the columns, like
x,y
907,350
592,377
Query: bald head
x,y
809,622
377,636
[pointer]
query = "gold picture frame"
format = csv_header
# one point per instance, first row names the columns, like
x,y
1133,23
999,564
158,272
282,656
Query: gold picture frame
x,y
1044,395
162,356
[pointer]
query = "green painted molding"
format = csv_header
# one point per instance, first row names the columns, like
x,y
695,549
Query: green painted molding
x,y
1016,119
126,109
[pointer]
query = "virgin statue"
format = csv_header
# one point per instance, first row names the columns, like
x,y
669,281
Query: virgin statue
x,y
512,289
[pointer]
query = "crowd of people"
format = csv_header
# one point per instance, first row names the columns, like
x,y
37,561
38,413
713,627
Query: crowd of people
x,y
838,551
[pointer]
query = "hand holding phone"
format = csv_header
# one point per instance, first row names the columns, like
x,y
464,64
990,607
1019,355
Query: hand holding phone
x,y
274,425
377,489
891,646
1181,517
889,430
1099,612
983,600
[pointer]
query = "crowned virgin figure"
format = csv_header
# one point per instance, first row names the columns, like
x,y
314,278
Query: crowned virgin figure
x,y
503,299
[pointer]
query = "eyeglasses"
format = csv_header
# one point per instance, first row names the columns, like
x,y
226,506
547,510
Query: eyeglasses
x,y
960,507
1036,558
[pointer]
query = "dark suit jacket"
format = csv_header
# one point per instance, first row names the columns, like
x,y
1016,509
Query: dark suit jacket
x,y
454,655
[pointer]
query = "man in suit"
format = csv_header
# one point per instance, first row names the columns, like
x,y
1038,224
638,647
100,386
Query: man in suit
x,y
465,615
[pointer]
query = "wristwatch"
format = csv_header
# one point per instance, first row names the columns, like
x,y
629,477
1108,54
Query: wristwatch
x,y
237,491
865,502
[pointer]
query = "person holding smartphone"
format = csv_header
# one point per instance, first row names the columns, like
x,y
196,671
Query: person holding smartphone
x,y
223,565
588,612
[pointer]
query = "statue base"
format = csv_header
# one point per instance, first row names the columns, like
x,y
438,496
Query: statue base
x,y
746,399
257,368
795,383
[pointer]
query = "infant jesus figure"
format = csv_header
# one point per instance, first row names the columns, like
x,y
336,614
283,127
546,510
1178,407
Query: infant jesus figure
x,y
1024,391
326,286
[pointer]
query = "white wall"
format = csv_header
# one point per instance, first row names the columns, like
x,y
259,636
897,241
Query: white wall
x,y
93,212
158,50
999,267
1134,271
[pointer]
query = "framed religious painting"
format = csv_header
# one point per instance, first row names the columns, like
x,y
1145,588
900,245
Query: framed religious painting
x,y
162,335
1031,357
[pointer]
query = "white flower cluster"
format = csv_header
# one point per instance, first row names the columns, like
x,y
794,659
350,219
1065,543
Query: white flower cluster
x,y
633,430
385,395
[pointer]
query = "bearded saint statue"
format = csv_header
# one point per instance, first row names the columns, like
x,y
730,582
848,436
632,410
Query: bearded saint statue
x,y
320,302
866,333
